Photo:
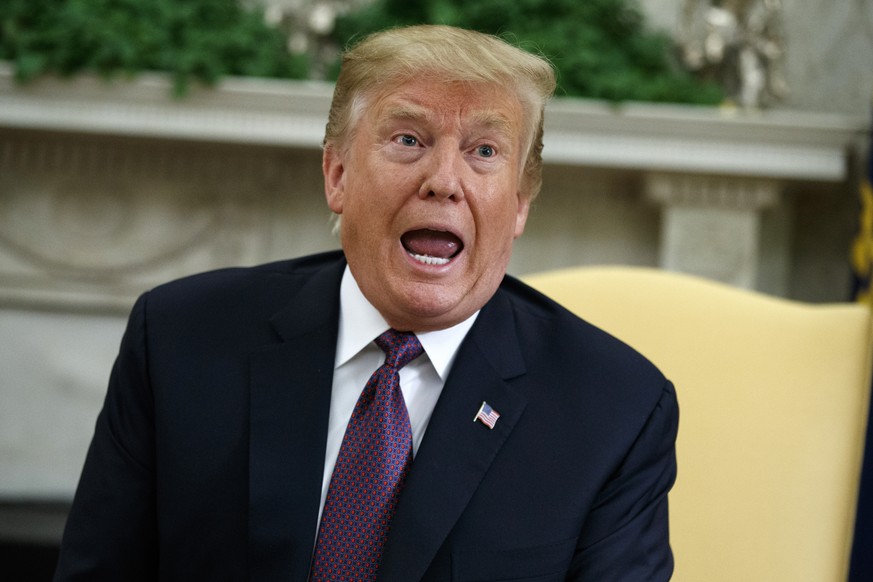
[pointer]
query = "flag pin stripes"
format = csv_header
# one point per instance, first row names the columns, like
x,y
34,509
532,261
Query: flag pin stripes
x,y
487,415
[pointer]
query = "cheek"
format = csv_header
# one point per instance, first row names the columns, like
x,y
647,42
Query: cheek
x,y
365,222
512,212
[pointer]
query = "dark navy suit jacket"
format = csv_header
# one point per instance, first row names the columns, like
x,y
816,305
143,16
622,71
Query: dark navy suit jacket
x,y
208,455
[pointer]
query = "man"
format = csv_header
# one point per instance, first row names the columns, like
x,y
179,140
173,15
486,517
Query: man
x,y
237,438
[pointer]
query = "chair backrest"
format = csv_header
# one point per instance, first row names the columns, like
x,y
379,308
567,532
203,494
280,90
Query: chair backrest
x,y
773,398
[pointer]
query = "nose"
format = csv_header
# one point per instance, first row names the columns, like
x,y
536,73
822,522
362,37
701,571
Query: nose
x,y
442,173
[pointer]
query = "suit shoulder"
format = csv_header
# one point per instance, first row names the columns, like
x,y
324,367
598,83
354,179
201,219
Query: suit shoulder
x,y
525,297
242,288
556,329
227,278
574,365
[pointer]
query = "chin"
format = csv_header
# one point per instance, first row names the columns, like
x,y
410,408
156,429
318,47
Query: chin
x,y
424,311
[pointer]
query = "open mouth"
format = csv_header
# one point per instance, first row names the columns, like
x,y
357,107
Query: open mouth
x,y
431,247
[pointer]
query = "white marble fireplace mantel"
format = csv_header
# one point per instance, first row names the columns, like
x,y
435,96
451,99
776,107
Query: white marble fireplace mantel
x,y
645,136
708,168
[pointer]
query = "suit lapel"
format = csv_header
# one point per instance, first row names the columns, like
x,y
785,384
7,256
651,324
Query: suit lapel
x,y
290,402
456,452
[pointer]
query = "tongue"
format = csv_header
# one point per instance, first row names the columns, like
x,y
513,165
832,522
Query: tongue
x,y
431,243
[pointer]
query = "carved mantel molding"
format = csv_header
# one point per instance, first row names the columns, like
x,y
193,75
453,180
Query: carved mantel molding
x,y
713,172
779,144
93,162
776,143
238,111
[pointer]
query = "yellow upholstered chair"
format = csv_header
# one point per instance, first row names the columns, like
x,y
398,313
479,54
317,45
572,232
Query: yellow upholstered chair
x,y
773,398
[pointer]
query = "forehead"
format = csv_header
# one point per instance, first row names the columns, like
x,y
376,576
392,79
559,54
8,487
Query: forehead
x,y
438,103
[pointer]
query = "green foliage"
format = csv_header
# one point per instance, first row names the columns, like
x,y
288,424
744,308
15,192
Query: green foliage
x,y
192,39
600,48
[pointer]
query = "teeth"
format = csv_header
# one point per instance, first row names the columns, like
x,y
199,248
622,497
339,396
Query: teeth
x,y
429,260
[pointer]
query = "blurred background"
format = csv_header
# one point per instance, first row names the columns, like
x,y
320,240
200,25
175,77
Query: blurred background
x,y
143,141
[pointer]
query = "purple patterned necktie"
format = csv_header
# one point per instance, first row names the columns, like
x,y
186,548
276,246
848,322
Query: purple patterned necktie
x,y
370,470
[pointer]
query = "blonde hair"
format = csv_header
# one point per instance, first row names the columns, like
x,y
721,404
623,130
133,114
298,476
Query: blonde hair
x,y
389,58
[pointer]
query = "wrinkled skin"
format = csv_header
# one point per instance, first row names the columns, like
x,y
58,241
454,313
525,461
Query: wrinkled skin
x,y
429,193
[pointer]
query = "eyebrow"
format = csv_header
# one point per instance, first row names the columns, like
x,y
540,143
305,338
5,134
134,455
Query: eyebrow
x,y
493,120
406,111
480,118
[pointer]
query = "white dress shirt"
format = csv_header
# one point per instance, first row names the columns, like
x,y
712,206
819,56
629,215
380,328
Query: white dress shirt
x,y
357,357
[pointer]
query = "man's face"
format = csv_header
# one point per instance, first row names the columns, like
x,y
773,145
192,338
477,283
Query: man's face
x,y
428,190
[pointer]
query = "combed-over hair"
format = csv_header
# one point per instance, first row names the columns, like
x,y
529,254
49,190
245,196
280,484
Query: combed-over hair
x,y
389,58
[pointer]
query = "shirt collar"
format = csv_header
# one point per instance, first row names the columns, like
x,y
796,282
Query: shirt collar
x,y
360,323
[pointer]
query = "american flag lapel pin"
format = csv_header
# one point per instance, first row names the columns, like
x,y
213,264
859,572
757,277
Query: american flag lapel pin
x,y
487,415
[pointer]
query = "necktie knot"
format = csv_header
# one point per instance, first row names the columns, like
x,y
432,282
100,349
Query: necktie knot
x,y
400,347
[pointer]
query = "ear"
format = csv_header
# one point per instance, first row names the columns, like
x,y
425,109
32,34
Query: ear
x,y
521,214
334,178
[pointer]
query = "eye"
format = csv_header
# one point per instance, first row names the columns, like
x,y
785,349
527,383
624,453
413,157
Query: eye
x,y
486,151
407,140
